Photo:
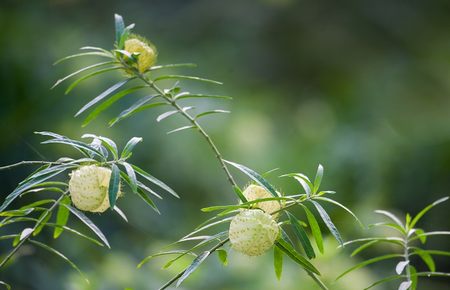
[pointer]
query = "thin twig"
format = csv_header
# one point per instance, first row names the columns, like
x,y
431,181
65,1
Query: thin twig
x,y
26,163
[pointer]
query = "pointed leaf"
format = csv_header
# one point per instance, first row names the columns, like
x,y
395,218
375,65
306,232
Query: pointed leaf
x,y
89,223
114,183
80,71
278,262
211,112
426,209
427,258
98,53
181,129
189,96
195,264
90,75
315,228
341,206
147,199
391,216
103,95
132,175
128,149
255,176
223,256
289,250
180,77
154,180
129,111
120,27
405,285
302,236
327,220
318,179
120,212
368,262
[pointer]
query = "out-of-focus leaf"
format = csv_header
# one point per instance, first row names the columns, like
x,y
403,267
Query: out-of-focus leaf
x,y
401,266
368,262
278,262
44,218
211,112
391,216
426,209
194,96
61,217
56,252
97,53
80,71
181,129
405,285
223,256
90,75
180,77
342,206
427,258
120,27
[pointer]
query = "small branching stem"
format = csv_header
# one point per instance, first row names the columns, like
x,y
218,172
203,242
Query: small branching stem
x,y
27,163
38,223
194,123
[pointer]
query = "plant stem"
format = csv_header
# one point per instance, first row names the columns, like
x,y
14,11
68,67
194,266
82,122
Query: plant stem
x,y
38,223
195,124
406,256
175,278
25,163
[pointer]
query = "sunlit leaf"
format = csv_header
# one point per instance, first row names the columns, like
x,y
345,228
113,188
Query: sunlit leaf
x,y
426,209
327,220
278,262
180,77
192,267
128,149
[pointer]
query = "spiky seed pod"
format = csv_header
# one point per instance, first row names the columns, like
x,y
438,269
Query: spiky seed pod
x,y
253,192
88,187
253,232
147,51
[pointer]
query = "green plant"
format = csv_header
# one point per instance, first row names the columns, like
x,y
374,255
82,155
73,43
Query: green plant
x,y
52,178
408,238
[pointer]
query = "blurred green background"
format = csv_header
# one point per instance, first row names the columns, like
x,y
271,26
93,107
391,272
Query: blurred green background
x,y
362,87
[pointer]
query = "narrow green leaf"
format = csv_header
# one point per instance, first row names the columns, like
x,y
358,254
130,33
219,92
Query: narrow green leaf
x,y
368,262
120,27
327,220
427,258
114,183
128,149
109,102
181,129
180,77
255,176
239,193
89,223
318,179
211,112
176,252
103,95
108,143
147,199
302,236
315,228
80,71
120,212
56,252
154,180
426,209
175,65
341,206
195,264
363,247
165,115
195,96
17,212
45,216
419,233
413,273
307,186
129,111
7,286
90,75
223,256
289,250
132,175
98,53
391,216
278,262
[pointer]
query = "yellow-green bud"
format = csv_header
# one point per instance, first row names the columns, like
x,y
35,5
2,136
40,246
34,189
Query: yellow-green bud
x,y
147,52
253,192
253,232
88,187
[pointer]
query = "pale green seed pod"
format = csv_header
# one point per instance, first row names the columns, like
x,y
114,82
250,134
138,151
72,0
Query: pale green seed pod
x,y
253,192
253,232
88,187
147,52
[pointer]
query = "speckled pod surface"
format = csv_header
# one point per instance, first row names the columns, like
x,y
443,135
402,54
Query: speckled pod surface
x,y
88,187
253,232
253,192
